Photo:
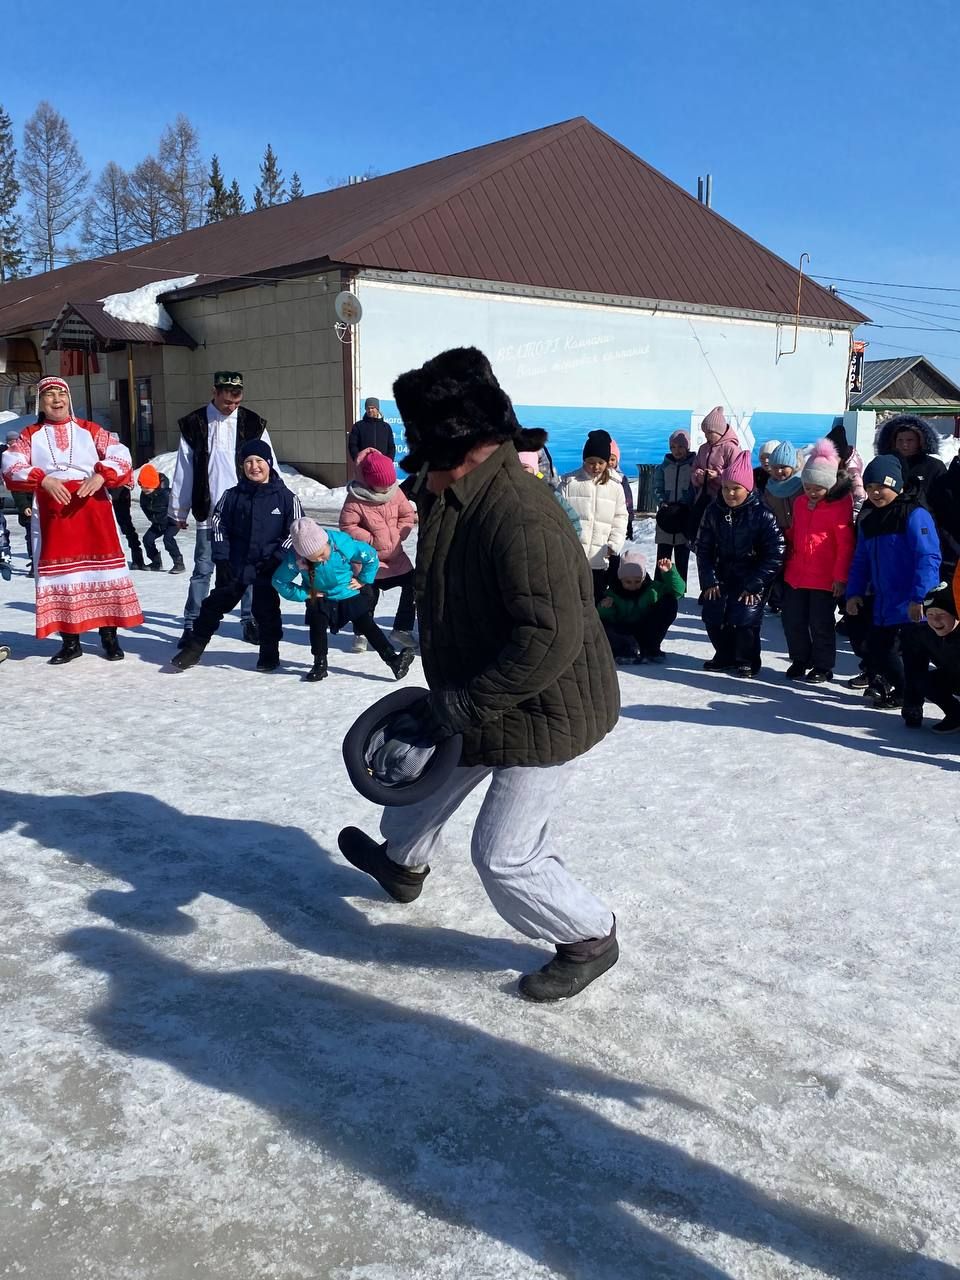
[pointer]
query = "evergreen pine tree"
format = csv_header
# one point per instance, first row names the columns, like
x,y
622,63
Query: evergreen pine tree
x,y
235,201
296,187
271,190
218,201
258,200
11,253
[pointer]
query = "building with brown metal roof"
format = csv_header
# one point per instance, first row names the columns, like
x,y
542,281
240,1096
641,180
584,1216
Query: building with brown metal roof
x,y
559,242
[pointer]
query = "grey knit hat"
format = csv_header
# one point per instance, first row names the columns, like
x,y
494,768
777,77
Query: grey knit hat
x,y
822,465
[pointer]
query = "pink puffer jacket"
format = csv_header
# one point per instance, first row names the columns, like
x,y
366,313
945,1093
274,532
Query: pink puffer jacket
x,y
382,520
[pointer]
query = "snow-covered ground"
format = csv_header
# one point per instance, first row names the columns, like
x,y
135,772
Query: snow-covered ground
x,y
224,1054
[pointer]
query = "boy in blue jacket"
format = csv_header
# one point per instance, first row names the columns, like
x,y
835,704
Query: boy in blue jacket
x,y
898,558
251,531
331,573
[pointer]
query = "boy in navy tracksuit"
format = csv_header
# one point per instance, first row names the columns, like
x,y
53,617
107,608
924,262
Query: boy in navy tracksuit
x,y
898,558
251,532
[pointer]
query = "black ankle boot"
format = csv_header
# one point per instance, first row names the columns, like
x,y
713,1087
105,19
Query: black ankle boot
x,y
111,647
268,659
137,561
317,672
574,967
69,649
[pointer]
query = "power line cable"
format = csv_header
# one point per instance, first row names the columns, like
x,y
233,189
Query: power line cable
x,y
889,284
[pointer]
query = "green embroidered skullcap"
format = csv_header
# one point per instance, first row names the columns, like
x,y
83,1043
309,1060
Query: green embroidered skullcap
x,y
226,378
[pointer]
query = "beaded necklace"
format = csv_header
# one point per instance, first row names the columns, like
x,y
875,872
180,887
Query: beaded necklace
x,y
62,441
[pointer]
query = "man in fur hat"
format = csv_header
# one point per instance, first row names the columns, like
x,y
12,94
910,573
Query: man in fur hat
x,y
516,661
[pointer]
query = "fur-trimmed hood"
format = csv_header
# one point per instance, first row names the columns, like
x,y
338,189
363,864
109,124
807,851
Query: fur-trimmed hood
x,y
840,490
929,440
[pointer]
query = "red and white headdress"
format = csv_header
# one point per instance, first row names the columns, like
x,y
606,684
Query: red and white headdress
x,y
45,384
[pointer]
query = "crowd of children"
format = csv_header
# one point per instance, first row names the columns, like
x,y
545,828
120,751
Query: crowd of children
x,y
814,538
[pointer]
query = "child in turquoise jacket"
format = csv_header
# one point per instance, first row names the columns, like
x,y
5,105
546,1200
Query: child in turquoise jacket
x,y
330,573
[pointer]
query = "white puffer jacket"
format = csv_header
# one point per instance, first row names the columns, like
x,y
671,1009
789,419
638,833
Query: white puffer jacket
x,y
602,509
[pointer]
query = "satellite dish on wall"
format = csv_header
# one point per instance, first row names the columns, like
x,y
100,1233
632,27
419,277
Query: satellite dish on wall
x,y
348,308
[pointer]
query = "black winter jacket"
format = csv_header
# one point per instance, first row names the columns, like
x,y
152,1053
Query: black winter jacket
x,y
739,549
507,619
921,470
251,527
155,503
371,433
943,499
193,428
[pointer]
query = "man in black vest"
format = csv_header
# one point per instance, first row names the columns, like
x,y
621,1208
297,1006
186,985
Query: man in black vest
x,y
207,466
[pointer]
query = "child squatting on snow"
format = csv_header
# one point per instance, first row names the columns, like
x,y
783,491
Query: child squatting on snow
x,y
638,610
931,661
739,552
377,512
897,557
596,494
331,573
820,541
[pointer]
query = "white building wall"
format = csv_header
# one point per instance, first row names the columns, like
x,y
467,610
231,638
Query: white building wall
x,y
640,373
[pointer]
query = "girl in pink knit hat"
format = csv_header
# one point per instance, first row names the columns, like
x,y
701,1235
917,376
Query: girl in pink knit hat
x,y
377,511
739,552
720,447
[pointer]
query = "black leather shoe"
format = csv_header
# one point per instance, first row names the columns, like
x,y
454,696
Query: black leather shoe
x,y
69,649
317,672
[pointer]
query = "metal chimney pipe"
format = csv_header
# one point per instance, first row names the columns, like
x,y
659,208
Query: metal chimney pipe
x,y
700,190
709,190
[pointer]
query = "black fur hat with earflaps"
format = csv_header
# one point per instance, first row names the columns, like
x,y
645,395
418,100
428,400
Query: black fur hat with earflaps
x,y
450,405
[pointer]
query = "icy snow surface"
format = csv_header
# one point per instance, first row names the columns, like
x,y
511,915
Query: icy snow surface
x,y
224,1054
140,306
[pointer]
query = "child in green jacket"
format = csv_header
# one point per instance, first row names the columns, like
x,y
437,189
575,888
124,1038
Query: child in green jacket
x,y
638,610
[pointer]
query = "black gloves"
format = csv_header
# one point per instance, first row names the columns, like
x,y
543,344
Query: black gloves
x,y
447,712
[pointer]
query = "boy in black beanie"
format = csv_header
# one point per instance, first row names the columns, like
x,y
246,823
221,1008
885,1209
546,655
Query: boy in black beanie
x,y
936,646
898,558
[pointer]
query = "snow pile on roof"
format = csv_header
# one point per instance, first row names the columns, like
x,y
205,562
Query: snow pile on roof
x,y
312,494
140,306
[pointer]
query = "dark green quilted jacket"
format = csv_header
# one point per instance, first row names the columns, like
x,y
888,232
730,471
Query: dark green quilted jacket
x,y
505,601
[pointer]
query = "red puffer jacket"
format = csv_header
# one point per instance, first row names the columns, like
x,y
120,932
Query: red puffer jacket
x,y
820,543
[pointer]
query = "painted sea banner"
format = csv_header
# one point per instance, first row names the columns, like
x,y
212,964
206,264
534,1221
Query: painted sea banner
x,y
571,367
642,434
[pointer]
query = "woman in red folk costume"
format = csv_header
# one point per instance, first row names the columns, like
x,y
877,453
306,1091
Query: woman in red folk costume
x,y
81,573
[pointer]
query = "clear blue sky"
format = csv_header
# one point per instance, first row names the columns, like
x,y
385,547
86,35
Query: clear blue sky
x,y
829,128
